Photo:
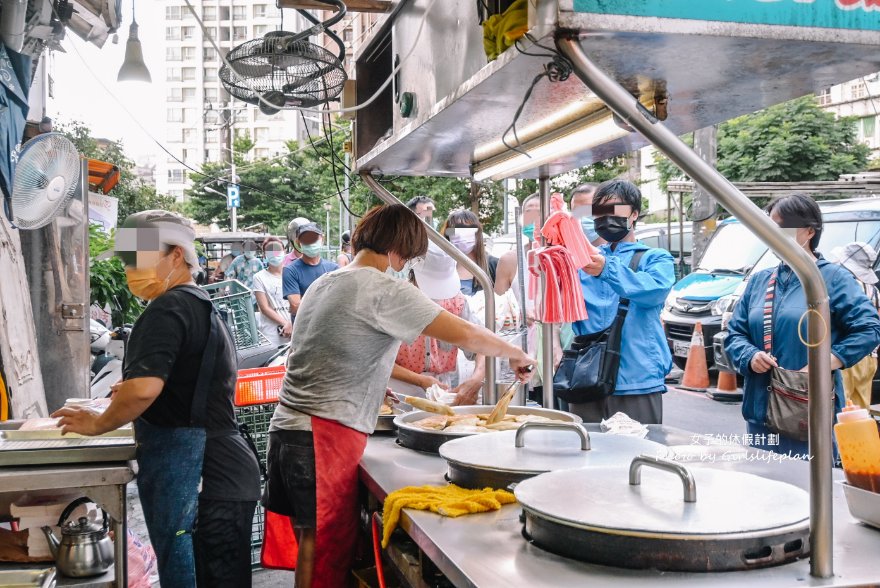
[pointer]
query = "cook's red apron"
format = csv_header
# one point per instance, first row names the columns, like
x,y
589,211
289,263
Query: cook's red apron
x,y
338,451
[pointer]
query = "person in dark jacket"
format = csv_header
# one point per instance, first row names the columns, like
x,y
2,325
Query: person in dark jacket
x,y
855,327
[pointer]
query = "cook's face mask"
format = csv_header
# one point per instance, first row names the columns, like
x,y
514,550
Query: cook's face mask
x,y
142,251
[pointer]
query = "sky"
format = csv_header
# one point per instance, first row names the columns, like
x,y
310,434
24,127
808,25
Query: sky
x,y
79,96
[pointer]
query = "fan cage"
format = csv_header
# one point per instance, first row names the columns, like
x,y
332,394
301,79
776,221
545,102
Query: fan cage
x,y
43,159
305,73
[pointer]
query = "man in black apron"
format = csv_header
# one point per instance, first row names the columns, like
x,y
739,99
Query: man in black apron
x,y
198,479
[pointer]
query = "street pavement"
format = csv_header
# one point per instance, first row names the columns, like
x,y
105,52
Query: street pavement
x,y
692,411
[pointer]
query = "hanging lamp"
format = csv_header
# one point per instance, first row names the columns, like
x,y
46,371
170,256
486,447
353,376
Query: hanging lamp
x,y
133,68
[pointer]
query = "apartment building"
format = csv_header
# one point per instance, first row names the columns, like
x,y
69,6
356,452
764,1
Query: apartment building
x,y
198,108
859,98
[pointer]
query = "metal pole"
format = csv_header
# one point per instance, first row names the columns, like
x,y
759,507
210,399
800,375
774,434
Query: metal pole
x,y
819,357
546,328
681,238
344,224
234,210
490,395
521,284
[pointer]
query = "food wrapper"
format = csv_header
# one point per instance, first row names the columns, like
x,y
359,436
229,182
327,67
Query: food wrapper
x,y
620,424
438,394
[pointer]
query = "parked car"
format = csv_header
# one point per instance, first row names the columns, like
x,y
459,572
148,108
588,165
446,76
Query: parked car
x,y
670,238
734,252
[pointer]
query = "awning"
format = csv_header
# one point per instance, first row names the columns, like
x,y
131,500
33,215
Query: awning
x,y
103,176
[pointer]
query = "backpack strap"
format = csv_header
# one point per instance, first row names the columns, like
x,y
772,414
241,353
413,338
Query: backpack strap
x,y
634,266
769,295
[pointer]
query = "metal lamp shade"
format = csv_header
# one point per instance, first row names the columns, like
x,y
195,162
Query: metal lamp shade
x,y
133,68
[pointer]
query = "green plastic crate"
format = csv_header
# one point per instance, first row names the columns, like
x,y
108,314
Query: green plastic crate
x,y
257,418
235,301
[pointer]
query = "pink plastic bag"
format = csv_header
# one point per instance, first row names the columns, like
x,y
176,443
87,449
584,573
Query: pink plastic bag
x,y
141,562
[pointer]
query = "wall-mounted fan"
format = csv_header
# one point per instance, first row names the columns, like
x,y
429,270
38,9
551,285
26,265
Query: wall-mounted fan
x,y
46,178
286,69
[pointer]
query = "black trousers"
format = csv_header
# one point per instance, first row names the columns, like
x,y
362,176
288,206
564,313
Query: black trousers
x,y
645,408
222,543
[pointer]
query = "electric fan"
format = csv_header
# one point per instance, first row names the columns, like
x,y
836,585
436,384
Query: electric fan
x,y
45,180
286,69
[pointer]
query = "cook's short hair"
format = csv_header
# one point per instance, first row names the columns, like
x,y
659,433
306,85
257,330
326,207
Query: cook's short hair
x,y
391,228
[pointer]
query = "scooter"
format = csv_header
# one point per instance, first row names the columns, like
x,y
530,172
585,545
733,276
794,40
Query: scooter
x,y
108,351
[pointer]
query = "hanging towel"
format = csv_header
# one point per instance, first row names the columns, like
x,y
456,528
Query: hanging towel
x,y
501,31
563,229
449,501
563,299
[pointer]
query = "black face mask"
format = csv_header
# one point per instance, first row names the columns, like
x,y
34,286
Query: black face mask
x,y
612,228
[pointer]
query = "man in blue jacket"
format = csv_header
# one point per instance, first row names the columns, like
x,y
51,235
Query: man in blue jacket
x,y
644,353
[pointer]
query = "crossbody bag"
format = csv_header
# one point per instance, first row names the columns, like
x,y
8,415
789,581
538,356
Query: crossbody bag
x,y
589,367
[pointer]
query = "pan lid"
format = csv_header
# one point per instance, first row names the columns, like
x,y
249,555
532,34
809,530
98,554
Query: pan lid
x,y
545,447
678,502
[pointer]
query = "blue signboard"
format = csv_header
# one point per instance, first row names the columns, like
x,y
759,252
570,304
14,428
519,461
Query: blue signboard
x,y
831,14
233,198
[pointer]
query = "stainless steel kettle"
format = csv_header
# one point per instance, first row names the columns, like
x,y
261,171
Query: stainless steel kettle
x,y
85,548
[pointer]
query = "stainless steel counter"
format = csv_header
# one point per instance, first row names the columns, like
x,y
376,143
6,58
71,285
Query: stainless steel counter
x,y
104,483
488,550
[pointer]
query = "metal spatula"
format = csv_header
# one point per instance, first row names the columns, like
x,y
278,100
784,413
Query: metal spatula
x,y
497,414
424,404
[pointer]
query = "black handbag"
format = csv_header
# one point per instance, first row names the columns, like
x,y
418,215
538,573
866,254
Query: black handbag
x,y
588,370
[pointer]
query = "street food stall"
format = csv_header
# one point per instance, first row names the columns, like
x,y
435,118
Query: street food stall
x,y
593,79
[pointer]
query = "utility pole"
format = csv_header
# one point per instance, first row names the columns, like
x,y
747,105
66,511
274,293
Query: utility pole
x,y
703,207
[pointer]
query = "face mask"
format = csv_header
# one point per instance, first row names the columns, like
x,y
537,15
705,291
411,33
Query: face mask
x,y
274,259
613,228
465,244
403,274
588,226
791,233
236,252
250,254
145,283
529,231
313,250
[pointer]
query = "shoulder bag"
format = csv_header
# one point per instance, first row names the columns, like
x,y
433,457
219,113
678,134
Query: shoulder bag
x,y
588,370
788,398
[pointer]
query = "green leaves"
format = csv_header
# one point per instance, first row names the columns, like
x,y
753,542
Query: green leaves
x,y
107,280
791,142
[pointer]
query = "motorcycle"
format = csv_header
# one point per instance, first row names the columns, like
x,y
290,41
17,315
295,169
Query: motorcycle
x,y
108,352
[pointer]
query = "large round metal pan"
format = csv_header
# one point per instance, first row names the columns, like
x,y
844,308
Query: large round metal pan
x,y
692,520
420,439
507,457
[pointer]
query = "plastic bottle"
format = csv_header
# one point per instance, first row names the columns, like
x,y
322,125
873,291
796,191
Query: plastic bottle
x,y
859,445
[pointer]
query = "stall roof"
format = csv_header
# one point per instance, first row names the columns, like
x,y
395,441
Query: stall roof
x,y
753,55
103,176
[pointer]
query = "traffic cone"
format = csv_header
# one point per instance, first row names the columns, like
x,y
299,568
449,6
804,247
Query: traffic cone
x,y
696,372
726,389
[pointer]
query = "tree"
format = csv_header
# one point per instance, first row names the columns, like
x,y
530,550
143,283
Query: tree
x,y
133,194
791,142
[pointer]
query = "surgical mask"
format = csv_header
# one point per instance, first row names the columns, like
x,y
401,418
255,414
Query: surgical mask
x,y
613,228
250,254
791,233
274,259
529,231
465,244
313,250
236,252
145,283
588,226
403,274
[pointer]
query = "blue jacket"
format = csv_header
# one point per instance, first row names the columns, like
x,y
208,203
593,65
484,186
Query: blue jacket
x,y
644,353
855,329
